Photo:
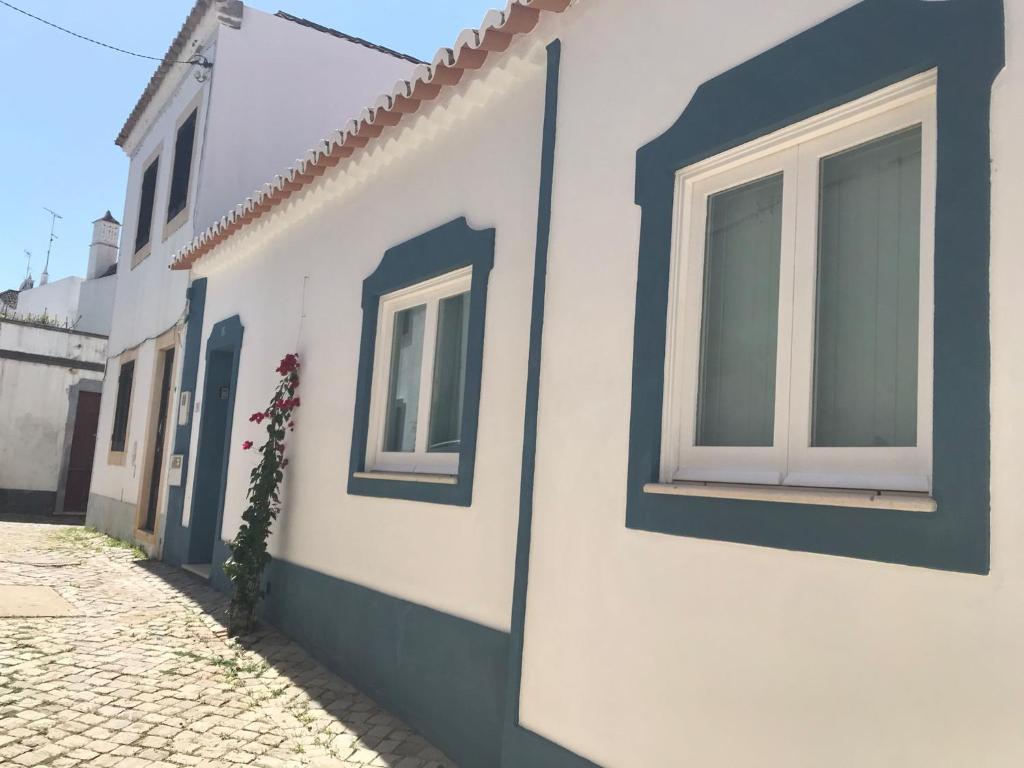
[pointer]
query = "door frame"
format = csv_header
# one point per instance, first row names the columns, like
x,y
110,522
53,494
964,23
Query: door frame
x,y
150,539
83,385
225,336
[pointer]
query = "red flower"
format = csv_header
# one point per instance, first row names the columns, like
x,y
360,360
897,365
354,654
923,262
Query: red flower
x,y
258,417
288,364
247,445
284,463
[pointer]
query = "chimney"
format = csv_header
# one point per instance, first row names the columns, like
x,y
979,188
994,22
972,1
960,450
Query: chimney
x,y
103,250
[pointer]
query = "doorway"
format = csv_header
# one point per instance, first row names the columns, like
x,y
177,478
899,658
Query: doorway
x,y
80,455
156,460
213,452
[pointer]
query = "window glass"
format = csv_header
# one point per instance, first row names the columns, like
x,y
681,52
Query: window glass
x,y
146,198
404,379
124,397
182,166
449,374
739,323
865,354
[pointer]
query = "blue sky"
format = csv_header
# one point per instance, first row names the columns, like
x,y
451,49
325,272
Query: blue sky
x,y
64,100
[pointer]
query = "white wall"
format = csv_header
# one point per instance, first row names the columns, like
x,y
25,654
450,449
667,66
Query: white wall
x,y
34,402
263,106
278,89
476,157
653,650
96,304
58,299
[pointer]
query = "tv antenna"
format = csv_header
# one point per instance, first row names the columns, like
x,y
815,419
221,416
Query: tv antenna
x,y
45,276
28,265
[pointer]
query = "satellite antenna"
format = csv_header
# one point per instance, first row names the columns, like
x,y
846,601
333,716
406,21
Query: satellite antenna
x,y
45,276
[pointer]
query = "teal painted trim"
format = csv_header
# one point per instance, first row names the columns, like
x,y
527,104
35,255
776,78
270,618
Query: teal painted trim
x,y
442,675
175,534
522,748
452,246
871,45
225,336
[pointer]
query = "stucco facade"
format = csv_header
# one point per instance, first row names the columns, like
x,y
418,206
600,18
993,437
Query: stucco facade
x,y
588,630
230,157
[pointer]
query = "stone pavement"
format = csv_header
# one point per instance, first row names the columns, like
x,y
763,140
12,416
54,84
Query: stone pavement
x,y
145,676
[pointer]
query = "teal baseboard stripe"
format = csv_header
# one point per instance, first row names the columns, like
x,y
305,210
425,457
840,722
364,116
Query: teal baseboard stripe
x,y
520,747
443,675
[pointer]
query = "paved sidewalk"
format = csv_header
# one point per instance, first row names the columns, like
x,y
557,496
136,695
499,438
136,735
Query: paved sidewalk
x,y
144,676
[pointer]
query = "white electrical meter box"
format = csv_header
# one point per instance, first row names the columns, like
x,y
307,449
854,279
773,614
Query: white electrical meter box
x,y
184,408
174,471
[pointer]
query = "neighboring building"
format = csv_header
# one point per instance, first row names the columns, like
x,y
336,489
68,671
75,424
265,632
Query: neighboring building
x,y
200,138
83,305
50,380
661,387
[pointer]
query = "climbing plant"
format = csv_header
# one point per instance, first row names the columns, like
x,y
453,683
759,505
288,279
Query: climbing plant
x,y
249,555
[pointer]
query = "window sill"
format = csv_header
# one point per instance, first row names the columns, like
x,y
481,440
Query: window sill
x,y
832,497
409,477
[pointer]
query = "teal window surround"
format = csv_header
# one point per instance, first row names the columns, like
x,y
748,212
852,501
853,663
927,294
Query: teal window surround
x,y
447,248
874,44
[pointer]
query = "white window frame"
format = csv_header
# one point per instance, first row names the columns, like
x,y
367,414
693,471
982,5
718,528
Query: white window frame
x,y
796,151
429,293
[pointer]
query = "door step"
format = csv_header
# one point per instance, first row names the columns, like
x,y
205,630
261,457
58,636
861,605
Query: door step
x,y
202,570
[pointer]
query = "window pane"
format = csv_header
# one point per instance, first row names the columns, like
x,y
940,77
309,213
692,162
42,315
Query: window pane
x,y
865,373
146,197
125,378
449,374
739,324
182,166
404,380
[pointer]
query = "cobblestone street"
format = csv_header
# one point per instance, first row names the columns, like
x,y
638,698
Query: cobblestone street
x,y
144,676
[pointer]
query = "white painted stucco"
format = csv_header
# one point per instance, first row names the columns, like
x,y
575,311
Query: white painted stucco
x,y
261,107
57,300
641,649
477,155
34,401
651,650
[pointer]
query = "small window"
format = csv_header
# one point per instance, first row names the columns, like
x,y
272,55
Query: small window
x,y
800,353
125,378
419,385
182,166
147,195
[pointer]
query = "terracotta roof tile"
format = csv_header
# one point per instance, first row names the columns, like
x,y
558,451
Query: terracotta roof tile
x,y
427,81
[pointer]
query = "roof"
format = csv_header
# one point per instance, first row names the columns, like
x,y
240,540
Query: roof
x,y
446,69
230,12
351,38
108,217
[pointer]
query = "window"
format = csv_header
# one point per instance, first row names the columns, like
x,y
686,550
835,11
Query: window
x,y
799,350
421,367
122,405
144,223
182,166
419,384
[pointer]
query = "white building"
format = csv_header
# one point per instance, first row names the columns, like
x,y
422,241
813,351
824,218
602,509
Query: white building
x,y
661,386
49,404
82,304
202,136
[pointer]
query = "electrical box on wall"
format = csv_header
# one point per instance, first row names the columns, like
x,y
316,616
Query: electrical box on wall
x,y
184,408
174,470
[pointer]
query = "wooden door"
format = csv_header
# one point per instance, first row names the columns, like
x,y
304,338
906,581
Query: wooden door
x,y
83,447
157,464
